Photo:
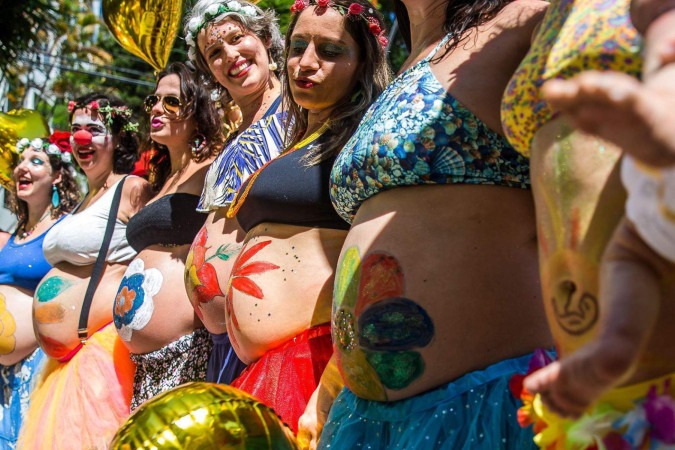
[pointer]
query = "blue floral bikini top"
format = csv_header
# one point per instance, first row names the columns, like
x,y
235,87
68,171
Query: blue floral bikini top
x,y
417,133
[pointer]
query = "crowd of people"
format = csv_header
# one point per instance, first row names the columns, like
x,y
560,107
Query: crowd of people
x,y
442,258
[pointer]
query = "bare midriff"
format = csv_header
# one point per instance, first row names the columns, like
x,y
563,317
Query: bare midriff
x,y
280,286
171,314
435,282
17,339
580,200
58,301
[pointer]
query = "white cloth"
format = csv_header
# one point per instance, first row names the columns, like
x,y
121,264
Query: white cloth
x,y
77,238
651,204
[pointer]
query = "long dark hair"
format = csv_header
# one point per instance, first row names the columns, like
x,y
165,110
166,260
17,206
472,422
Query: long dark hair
x,y
69,193
460,16
372,79
196,103
125,153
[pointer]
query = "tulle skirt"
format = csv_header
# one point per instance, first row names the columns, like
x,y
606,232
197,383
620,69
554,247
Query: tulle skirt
x,y
81,403
474,412
285,377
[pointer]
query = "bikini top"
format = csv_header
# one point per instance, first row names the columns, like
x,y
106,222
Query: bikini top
x,y
289,191
24,264
170,220
417,133
78,237
575,35
241,156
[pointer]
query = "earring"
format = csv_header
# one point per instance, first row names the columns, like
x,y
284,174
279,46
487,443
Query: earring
x,y
198,144
272,65
56,200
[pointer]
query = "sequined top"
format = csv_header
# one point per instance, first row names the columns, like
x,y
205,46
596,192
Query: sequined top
x,y
241,156
417,133
574,36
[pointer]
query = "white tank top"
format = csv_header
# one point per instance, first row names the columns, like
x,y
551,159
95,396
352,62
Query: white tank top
x,y
77,238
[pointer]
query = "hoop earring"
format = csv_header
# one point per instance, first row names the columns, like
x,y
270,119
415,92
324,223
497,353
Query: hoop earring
x,y
56,199
198,144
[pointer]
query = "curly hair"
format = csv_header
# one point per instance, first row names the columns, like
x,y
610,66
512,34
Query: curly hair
x,y
69,192
197,104
372,78
125,153
460,16
264,26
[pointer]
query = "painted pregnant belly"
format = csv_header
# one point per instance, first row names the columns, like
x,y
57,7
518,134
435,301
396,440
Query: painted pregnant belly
x,y
377,331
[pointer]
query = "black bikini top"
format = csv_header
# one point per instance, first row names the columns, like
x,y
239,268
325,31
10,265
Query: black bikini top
x,y
169,220
288,191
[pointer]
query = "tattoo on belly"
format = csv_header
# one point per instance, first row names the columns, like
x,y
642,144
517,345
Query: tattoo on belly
x,y
576,312
379,349
201,278
51,288
7,328
50,313
133,303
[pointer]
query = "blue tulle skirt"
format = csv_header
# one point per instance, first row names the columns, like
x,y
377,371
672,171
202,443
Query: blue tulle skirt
x,y
224,365
475,412
17,382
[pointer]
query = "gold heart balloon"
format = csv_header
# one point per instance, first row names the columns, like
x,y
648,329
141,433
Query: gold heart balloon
x,y
16,124
203,415
146,28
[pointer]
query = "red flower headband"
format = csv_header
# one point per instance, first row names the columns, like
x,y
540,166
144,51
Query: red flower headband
x,y
108,113
354,10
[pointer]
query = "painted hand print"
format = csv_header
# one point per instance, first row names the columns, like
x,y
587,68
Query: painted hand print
x,y
375,328
7,329
240,280
133,303
201,279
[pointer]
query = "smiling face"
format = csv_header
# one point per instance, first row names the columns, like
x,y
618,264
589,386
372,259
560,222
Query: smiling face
x,y
34,176
236,58
323,60
91,142
166,128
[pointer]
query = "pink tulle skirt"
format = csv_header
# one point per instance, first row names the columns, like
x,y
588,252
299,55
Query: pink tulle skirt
x,y
80,404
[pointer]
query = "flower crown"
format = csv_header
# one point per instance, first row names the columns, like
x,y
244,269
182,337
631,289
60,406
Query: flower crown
x,y
108,112
353,10
58,145
196,24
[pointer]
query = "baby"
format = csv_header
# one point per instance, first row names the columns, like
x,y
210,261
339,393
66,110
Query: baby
x,y
640,118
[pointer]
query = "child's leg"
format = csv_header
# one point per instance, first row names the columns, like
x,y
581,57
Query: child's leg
x,y
630,298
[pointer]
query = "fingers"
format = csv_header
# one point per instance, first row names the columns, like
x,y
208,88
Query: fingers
x,y
609,89
556,392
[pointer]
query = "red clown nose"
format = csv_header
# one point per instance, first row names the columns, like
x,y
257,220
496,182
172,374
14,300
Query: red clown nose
x,y
82,137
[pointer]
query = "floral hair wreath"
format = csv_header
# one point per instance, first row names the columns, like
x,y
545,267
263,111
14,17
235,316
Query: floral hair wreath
x,y
108,112
196,24
58,145
354,10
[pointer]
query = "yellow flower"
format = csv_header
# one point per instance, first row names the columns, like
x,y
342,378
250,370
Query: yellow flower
x,y
7,328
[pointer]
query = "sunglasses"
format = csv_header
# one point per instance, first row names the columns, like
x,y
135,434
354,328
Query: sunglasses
x,y
170,104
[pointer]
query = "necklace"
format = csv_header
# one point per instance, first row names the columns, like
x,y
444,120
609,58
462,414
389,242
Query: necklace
x,y
27,233
240,197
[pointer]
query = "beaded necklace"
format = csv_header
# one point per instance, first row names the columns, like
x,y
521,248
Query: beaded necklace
x,y
240,197
27,233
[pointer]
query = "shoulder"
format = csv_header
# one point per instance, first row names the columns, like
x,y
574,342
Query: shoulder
x,y
194,180
135,194
521,17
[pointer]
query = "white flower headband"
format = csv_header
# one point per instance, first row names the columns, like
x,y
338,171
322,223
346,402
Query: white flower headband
x,y
196,24
50,149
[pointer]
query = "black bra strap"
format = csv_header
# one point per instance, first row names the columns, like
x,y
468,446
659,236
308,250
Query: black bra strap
x,y
97,273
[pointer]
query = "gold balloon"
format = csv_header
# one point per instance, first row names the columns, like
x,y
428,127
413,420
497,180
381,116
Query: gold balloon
x,y
16,124
146,28
202,415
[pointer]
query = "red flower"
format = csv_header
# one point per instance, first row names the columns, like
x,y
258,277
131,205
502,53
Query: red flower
x,y
298,6
71,106
374,27
322,3
201,278
240,280
62,140
383,41
93,105
355,9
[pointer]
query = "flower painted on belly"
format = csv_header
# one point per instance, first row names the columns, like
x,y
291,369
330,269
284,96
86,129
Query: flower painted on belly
x,y
240,280
375,328
7,329
51,288
201,279
133,303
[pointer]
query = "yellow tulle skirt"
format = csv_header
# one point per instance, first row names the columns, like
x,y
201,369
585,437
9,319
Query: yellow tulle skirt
x,y
80,404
